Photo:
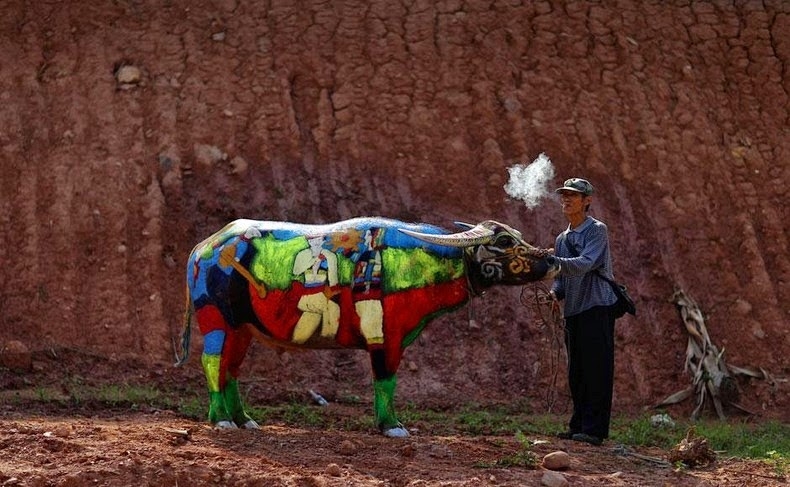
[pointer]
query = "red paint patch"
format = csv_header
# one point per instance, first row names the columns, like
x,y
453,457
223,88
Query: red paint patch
x,y
405,310
233,353
403,313
278,311
210,319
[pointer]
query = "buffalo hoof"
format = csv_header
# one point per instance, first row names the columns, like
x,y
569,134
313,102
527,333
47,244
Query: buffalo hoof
x,y
397,432
251,425
225,425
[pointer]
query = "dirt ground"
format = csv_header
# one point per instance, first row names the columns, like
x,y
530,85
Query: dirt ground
x,y
73,442
122,448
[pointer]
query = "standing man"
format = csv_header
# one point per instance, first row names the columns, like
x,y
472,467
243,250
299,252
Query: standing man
x,y
582,251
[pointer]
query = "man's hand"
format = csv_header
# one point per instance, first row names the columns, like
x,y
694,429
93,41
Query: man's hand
x,y
544,252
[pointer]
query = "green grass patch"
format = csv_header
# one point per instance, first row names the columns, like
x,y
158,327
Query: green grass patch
x,y
524,457
733,438
639,432
125,395
193,408
768,441
748,440
779,462
476,419
293,413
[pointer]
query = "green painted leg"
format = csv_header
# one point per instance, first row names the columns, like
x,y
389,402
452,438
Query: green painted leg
x,y
235,407
218,413
384,409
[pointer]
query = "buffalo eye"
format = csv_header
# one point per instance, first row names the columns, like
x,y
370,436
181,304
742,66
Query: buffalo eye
x,y
505,241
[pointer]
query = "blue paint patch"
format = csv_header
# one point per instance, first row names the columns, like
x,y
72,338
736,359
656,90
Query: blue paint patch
x,y
213,341
391,238
206,266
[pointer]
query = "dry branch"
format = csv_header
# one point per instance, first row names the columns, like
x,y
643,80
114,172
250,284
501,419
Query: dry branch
x,y
711,378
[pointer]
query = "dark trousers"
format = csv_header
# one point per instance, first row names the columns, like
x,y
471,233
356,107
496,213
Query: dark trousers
x,y
589,341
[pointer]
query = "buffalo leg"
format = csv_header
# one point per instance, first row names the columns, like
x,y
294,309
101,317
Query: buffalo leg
x,y
236,345
215,332
384,384
212,366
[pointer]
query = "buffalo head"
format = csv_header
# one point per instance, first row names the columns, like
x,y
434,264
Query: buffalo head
x,y
496,253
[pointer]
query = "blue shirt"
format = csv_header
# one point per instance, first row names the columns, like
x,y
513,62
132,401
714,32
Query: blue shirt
x,y
578,283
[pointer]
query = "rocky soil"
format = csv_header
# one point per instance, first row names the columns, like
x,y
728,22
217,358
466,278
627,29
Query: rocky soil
x,y
53,433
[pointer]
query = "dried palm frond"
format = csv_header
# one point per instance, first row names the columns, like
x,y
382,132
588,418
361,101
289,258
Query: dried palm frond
x,y
711,378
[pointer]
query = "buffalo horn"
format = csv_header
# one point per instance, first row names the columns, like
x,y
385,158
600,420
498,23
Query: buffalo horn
x,y
474,236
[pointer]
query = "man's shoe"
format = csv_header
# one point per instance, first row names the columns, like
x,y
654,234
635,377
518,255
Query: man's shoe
x,y
584,437
566,435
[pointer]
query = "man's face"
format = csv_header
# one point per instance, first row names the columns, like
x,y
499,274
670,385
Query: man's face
x,y
573,202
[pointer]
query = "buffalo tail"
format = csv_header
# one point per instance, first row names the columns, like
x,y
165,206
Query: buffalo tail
x,y
186,333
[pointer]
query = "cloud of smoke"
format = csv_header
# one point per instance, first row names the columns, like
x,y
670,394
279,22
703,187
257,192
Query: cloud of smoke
x,y
529,183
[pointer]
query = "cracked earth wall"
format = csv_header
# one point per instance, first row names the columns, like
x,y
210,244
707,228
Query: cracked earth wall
x,y
318,111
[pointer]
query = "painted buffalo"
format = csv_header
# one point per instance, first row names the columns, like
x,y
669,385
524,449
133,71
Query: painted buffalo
x,y
366,283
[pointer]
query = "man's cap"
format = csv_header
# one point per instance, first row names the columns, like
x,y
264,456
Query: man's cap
x,y
578,185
